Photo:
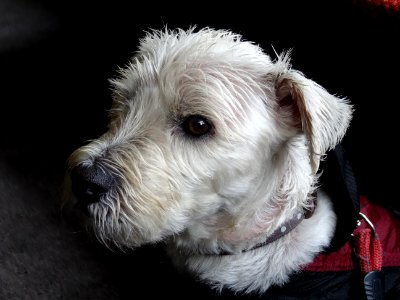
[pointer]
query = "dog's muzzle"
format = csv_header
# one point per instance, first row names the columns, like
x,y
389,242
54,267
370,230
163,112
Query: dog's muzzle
x,y
90,183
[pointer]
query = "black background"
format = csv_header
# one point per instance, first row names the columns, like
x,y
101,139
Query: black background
x,y
55,62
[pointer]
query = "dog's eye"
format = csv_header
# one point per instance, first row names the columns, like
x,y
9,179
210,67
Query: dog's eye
x,y
196,125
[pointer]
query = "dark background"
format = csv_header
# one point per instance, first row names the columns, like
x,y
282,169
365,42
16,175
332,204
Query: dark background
x,y
55,62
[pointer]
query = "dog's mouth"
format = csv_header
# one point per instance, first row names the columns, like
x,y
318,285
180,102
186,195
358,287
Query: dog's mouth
x,y
88,196
84,209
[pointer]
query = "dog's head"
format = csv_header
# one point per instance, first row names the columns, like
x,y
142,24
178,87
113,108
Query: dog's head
x,y
205,129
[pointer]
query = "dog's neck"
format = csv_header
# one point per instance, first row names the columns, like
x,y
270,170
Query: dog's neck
x,y
278,233
284,229
268,264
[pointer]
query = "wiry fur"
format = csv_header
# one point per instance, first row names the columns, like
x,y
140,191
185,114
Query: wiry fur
x,y
230,189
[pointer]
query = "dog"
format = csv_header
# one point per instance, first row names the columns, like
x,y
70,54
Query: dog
x,y
213,148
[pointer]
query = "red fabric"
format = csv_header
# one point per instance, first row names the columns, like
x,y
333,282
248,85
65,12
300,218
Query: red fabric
x,y
368,250
388,231
390,5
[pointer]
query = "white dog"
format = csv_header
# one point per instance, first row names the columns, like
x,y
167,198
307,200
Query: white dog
x,y
213,148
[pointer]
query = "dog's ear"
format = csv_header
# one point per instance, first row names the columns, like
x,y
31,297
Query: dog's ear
x,y
306,106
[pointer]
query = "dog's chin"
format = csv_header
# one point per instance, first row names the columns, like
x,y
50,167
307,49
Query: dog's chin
x,y
115,233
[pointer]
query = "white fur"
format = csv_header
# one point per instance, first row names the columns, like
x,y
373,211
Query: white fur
x,y
231,189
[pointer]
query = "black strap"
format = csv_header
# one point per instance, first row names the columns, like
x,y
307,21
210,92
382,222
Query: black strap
x,y
348,177
339,182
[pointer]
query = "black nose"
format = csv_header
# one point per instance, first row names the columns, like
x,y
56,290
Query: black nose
x,y
89,183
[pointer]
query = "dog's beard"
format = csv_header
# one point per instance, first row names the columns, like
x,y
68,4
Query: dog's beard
x,y
111,225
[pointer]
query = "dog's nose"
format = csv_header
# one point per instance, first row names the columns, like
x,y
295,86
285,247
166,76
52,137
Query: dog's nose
x,y
90,182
